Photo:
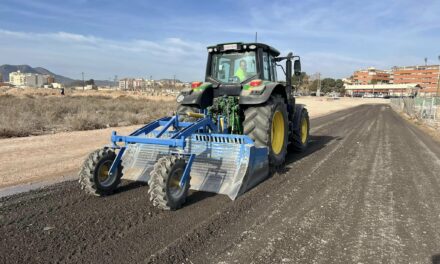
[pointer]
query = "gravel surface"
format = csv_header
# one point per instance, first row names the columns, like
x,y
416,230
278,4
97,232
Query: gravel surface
x,y
366,191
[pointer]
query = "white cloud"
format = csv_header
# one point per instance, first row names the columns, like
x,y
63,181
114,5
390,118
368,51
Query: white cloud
x,y
72,53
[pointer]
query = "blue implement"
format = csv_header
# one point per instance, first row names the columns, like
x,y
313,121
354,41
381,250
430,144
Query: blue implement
x,y
220,163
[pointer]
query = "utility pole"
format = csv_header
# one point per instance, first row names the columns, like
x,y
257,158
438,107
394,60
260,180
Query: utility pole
x,y
82,73
426,61
256,37
318,92
174,81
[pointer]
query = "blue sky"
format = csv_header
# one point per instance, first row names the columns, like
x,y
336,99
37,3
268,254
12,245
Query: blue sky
x,y
166,38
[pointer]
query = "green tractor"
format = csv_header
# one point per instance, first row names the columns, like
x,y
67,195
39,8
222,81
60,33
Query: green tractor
x,y
241,84
227,135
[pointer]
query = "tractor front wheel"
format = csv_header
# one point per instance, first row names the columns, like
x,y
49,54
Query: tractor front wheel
x,y
300,136
165,190
94,176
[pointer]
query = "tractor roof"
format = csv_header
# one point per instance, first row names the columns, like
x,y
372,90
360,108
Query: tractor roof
x,y
240,46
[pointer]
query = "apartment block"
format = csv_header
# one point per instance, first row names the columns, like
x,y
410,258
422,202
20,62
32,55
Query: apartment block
x,y
21,79
126,84
426,76
371,76
17,78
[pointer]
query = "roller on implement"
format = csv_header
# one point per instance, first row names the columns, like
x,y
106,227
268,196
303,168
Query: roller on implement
x,y
228,132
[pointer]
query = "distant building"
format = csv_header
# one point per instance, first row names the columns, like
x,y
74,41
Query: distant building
x,y
57,85
393,90
371,76
35,80
426,76
347,81
50,79
139,84
91,87
126,84
17,78
29,79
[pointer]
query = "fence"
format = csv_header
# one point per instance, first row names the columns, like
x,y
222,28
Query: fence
x,y
424,109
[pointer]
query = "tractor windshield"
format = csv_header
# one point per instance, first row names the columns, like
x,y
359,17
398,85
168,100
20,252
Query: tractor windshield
x,y
233,67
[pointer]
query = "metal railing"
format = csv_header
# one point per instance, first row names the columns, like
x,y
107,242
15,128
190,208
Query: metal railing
x,y
424,109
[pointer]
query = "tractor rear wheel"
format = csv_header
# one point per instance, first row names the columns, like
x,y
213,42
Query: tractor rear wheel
x,y
183,109
165,191
300,136
94,176
268,126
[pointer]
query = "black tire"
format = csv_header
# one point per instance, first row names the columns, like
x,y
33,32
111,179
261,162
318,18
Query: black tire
x,y
298,144
164,193
183,109
258,126
92,176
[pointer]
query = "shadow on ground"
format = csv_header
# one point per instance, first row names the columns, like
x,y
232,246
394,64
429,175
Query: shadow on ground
x,y
316,143
436,259
129,185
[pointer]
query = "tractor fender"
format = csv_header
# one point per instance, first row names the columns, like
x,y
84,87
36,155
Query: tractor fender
x,y
297,116
246,98
201,97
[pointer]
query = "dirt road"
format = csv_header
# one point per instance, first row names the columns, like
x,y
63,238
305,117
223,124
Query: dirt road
x,y
366,191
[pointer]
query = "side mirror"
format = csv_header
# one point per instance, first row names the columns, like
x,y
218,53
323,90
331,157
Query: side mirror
x,y
297,67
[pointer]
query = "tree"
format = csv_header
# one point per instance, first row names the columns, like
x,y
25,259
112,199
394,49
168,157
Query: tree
x,y
328,85
301,82
313,86
90,82
339,86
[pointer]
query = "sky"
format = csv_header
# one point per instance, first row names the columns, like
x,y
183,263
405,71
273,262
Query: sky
x,y
143,38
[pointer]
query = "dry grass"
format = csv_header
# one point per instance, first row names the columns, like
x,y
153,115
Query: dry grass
x,y
20,92
25,114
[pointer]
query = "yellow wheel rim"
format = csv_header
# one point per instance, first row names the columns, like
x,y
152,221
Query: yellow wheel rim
x,y
277,135
304,130
103,173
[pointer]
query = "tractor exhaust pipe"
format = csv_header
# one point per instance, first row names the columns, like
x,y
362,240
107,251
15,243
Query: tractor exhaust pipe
x,y
289,70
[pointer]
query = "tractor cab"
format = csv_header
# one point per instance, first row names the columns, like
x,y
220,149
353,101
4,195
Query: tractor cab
x,y
239,63
247,71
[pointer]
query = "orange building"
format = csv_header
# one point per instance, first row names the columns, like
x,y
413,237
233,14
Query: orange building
x,y
426,76
50,79
371,76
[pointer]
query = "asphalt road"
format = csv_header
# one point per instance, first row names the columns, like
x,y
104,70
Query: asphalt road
x,y
366,191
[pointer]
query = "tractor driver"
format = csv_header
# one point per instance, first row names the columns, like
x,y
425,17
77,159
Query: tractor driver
x,y
241,73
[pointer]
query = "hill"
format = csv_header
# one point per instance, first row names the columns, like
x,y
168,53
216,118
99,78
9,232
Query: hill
x,y
7,68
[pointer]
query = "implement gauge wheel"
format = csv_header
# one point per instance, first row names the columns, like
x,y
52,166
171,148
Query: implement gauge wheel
x,y
300,136
165,191
94,176
267,125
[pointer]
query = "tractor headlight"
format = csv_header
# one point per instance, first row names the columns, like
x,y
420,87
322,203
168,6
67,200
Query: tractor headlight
x,y
180,98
